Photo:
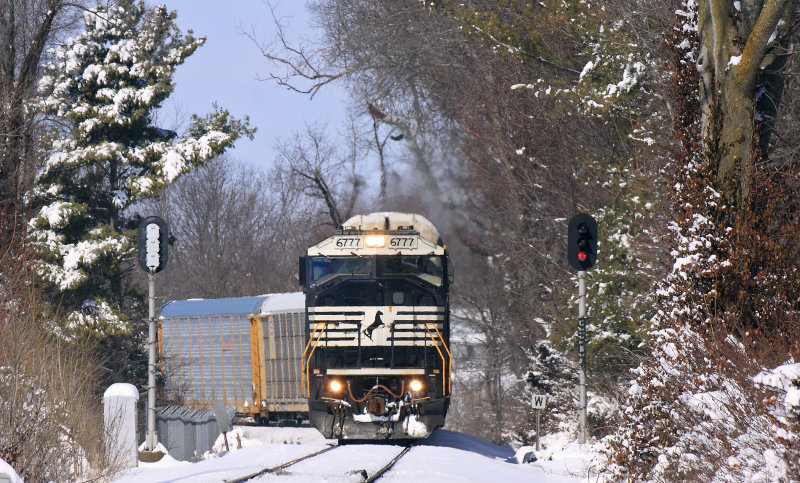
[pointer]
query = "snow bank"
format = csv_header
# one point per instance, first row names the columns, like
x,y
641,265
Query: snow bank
x,y
242,437
561,454
166,461
7,470
445,457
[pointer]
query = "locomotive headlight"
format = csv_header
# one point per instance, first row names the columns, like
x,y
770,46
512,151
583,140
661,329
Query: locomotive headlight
x,y
415,385
335,386
375,241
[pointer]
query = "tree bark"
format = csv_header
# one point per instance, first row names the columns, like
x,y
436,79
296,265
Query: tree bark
x,y
17,82
735,47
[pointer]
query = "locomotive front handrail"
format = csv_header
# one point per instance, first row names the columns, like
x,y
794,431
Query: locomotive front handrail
x,y
444,371
308,361
449,359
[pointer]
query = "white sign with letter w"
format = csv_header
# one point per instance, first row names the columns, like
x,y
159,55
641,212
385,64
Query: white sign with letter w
x,y
538,401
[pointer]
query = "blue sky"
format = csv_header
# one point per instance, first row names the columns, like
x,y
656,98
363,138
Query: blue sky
x,y
225,70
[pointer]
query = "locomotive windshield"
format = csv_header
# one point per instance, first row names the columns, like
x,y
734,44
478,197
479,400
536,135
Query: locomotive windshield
x,y
428,267
324,268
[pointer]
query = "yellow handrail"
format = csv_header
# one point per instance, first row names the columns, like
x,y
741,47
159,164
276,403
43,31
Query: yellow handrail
x,y
308,361
312,337
444,372
449,358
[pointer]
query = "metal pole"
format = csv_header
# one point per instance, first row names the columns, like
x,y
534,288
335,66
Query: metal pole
x,y
582,350
538,412
151,441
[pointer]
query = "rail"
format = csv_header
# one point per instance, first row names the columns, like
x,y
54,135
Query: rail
x,y
279,467
388,466
379,473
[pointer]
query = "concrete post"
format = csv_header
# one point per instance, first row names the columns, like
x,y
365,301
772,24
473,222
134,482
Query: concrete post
x,y
119,417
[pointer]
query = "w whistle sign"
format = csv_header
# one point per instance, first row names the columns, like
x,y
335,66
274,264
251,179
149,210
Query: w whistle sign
x,y
538,401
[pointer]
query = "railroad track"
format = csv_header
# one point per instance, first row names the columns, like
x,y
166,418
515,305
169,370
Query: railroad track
x,y
367,478
389,465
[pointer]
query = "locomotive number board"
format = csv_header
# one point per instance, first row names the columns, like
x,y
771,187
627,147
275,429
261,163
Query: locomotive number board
x,y
349,242
403,242
397,242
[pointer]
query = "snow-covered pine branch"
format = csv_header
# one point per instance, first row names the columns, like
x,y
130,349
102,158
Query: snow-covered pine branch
x,y
106,84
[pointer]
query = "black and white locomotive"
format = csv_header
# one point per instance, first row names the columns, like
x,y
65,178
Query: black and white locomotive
x,y
377,361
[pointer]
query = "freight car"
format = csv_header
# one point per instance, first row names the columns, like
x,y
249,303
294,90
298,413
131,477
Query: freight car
x,y
376,363
245,351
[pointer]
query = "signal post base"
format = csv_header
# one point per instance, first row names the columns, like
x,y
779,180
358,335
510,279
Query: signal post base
x,y
150,456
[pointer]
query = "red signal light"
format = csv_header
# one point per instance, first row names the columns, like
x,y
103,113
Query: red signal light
x,y
582,242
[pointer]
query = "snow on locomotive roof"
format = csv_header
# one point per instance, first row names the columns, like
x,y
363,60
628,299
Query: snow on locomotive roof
x,y
396,219
259,304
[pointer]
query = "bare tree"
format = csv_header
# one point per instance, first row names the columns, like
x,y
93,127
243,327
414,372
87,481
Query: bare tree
x,y
236,233
27,27
386,53
742,57
319,171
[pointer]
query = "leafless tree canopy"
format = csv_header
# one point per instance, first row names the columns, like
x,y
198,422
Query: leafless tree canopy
x,y
236,232
317,169
499,170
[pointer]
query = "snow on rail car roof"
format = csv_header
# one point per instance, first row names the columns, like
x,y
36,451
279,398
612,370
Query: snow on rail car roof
x,y
284,302
259,304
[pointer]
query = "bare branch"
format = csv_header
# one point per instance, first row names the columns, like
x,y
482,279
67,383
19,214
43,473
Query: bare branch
x,y
299,65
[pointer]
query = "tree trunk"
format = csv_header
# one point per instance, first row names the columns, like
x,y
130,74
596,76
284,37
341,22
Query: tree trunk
x,y
18,75
735,47
736,140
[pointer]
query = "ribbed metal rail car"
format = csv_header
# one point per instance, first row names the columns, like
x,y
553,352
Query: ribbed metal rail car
x,y
245,351
376,361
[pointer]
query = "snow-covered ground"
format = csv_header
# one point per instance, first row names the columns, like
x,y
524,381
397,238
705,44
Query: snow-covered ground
x,y
446,456
7,471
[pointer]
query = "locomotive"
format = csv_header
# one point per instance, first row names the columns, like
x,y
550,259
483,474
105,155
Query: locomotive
x,y
376,363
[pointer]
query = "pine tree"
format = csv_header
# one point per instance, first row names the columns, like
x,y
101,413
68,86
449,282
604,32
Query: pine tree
x,y
551,374
105,88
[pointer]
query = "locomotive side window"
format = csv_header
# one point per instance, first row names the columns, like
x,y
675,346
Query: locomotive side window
x,y
428,268
325,268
